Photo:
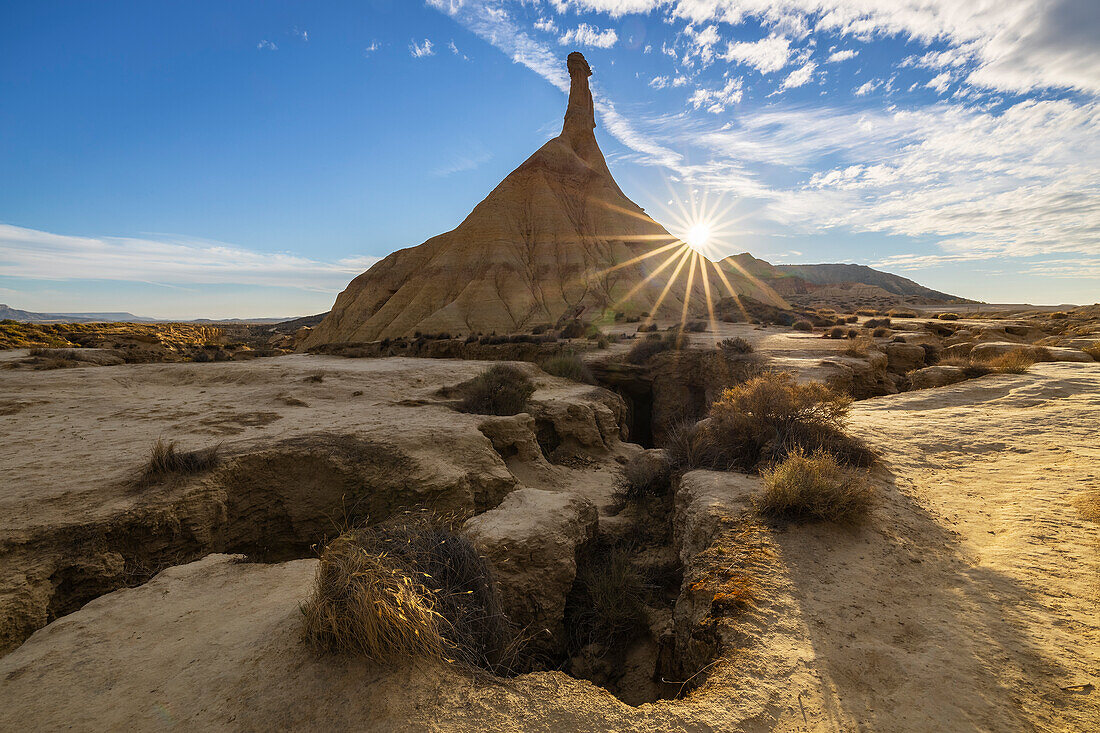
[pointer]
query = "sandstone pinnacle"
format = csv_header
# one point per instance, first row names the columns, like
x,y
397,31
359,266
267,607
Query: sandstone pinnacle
x,y
556,237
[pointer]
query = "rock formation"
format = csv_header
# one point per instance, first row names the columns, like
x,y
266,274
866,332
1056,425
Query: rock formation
x,y
556,237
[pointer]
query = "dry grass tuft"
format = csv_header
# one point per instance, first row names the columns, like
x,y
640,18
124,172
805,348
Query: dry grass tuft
x,y
861,347
802,325
407,589
948,316
814,487
647,474
569,366
1017,361
166,460
502,389
1093,350
971,369
764,420
735,345
611,603
652,345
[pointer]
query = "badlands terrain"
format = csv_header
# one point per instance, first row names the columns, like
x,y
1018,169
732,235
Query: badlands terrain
x,y
967,598
556,470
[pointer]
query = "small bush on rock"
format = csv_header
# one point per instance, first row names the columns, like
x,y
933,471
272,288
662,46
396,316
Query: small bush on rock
x,y
166,460
735,345
948,316
971,369
802,326
880,332
652,345
647,474
814,487
569,366
1017,361
502,389
1093,350
770,416
877,322
405,589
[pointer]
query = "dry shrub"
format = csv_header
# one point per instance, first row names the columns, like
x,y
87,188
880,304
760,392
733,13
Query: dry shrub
x,y
767,418
1058,315
646,349
877,323
569,366
646,474
1017,361
870,312
880,332
836,332
971,369
802,326
647,328
502,389
736,345
814,487
611,602
166,460
409,588
860,347
695,326
948,316
1093,350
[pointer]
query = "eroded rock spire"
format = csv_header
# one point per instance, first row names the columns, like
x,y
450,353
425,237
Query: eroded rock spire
x,y
580,119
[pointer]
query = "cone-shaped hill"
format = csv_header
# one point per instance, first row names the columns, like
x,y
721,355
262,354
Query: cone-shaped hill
x,y
557,237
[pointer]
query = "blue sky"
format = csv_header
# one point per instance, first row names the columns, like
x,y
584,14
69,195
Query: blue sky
x,y
215,159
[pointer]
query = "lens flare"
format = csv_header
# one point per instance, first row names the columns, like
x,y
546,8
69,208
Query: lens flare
x,y
698,236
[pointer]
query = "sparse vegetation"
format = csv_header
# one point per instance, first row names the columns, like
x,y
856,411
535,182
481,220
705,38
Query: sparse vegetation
x,y
948,316
649,347
814,486
971,369
1017,361
880,332
1093,350
647,474
735,345
406,589
695,326
877,323
502,389
611,604
167,460
802,325
569,366
836,332
860,347
647,327
764,420
1058,315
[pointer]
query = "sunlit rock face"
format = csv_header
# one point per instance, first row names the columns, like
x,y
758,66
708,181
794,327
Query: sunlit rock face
x,y
556,237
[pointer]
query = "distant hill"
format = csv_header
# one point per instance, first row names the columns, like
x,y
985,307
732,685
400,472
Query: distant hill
x,y
836,274
14,314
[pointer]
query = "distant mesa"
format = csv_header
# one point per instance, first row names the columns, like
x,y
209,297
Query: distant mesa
x,y
557,237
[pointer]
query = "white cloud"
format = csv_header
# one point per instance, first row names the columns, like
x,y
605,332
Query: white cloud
x,y
587,35
766,55
30,253
844,55
420,50
716,100
940,82
799,76
454,49
266,45
304,35
546,25
1019,45
374,46
867,87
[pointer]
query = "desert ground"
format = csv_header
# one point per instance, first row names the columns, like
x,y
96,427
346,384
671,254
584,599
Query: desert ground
x,y
966,599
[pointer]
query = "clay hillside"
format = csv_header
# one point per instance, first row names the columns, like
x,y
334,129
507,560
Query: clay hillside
x,y
556,237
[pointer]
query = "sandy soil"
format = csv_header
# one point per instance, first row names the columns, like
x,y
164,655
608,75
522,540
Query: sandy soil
x,y
968,601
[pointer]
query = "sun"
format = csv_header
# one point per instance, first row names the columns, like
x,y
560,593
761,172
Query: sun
x,y
698,236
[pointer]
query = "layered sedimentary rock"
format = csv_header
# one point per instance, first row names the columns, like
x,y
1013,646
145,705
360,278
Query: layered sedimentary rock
x,y
557,237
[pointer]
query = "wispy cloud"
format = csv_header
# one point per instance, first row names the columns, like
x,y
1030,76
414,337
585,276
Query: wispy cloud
x,y
838,56
421,50
266,45
588,35
463,162
31,253
374,46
